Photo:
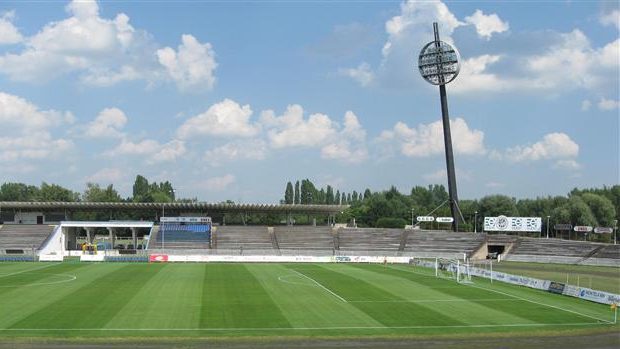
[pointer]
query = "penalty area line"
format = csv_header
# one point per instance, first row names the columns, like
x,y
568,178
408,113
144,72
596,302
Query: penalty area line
x,y
320,285
308,328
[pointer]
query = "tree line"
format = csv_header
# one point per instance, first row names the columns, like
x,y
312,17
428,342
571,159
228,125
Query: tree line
x,y
143,191
391,208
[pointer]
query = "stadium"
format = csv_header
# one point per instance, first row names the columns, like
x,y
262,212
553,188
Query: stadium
x,y
186,280
338,100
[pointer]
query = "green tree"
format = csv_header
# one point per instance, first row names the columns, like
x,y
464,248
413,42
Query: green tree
x,y
54,192
18,192
329,195
390,222
601,207
337,198
94,193
140,189
288,194
498,205
297,194
367,194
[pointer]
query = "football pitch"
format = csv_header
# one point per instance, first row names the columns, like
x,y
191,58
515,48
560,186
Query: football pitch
x,y
133,300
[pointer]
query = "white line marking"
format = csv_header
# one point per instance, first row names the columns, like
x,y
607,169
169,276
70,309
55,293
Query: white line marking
x,y
435,300
543,304
307,328
27,270
70,278
521,298
321,286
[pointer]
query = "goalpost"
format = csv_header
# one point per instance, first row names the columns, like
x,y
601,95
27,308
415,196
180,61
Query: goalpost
x,y
453,269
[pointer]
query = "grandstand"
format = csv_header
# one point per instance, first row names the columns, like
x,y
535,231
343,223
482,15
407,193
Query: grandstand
x,y
385,241
243,238
443,244
305,238
22,238
554,247
608,251
181,233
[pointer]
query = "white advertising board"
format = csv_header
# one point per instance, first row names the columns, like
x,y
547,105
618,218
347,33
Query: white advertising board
x,y
444,219
582,228
516,224
51,258
425,218
185,219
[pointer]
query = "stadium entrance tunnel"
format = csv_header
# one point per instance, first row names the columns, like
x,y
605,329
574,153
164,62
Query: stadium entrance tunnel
x,y
494,250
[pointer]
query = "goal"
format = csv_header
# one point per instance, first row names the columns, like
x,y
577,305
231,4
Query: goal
x,y
453,269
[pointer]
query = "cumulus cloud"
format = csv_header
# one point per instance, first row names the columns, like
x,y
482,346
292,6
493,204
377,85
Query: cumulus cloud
x,y
218,183
487,25
427,139
192,66
240,150
26,130
608,104
291,129
611,18
226,119
362,74
108,123
106,175
9,34
104,52
554,146
152,151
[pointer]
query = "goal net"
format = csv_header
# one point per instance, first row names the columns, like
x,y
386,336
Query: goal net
x,y
453,269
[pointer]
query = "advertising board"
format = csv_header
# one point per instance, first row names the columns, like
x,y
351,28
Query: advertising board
x,y
516,224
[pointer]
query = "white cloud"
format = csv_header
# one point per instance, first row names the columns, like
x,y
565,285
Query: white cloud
x,y
8,33
608,104
192,66
218,183
585,105
487,25
241,150
362,74
151,150
106,175
291,129
108,123
226,118
552,146
494,185
611,18
574,63
567,165
104,52
26,130
427,139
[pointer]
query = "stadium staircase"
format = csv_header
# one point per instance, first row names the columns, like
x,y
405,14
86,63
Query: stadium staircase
x,y
23,238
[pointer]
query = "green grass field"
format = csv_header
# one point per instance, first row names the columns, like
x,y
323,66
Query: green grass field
x,y
273,300
598,278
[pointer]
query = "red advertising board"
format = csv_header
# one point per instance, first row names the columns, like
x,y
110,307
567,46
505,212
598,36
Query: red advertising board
x,y
158,258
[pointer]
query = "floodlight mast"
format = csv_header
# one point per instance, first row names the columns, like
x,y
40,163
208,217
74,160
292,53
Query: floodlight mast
x,y
439,64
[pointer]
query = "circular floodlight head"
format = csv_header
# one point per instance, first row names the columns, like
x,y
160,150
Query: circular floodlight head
x,y
439,62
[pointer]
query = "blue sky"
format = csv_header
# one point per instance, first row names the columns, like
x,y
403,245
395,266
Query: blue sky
x,y
230,100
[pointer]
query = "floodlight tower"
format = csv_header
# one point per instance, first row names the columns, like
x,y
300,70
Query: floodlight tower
x,y
439,64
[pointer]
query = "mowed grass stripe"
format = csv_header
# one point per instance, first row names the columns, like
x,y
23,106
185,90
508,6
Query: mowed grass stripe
x,y
233,297
476,310
535,311
17,301
303,303
95,303
389,314
170,299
